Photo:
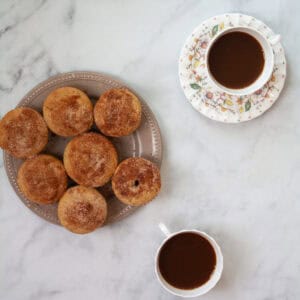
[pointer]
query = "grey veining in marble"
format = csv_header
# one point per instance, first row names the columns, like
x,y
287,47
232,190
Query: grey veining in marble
x,y
240,183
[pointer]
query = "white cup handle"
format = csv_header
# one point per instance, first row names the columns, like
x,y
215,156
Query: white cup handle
x,y
164,229
275,39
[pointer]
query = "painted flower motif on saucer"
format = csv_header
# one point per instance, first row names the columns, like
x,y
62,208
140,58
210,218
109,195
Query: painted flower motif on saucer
x,y
208,99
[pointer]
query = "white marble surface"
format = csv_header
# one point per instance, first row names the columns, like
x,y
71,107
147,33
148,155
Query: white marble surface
x,y
240,183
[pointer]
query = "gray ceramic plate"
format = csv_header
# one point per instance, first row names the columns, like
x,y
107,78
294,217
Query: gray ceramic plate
x,y
145,142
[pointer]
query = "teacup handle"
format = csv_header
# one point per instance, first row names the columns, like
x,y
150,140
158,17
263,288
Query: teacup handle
x,y
164,229
275,39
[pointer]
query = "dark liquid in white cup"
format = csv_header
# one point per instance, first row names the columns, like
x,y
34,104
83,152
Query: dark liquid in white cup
x,y
236,60
187,260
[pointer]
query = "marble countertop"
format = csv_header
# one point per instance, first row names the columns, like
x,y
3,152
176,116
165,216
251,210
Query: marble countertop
x,y
239,183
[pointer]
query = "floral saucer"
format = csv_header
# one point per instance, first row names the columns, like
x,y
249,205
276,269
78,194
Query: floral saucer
x,y
209,100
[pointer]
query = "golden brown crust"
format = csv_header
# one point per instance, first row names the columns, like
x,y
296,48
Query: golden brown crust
x,y
118,112
90,159
82,209
42,179
68,111
23,132
136,181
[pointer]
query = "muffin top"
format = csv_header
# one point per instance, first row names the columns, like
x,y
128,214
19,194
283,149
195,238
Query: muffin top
x,y
82,209
68,111
136,181
118,112
42,179
23,132
90,159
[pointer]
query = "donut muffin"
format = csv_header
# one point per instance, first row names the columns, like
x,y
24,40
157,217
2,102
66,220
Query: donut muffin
x,y
82,209
23,132
136,181
118,112
90,159
68,111
42,179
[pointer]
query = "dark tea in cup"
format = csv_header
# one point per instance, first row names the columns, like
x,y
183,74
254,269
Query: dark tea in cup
x,y
240,60
187,260
236,59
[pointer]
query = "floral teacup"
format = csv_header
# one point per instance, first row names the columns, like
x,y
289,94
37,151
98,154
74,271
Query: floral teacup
x,y
266,73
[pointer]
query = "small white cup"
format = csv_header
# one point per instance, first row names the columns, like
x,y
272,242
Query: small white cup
x,y
203,289
265,75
